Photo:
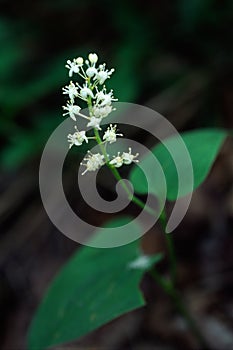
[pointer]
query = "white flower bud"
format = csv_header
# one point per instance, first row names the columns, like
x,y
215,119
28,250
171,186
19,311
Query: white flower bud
x,y
79,61
93,58
91,71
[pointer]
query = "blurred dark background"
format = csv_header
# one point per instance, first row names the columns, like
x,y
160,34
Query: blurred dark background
x,y
173,56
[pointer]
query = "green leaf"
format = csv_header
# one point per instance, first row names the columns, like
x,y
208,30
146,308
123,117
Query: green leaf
x,y
203,146
93,288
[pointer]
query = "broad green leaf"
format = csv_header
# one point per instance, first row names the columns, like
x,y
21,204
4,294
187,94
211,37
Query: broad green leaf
x,y
203,146
93,288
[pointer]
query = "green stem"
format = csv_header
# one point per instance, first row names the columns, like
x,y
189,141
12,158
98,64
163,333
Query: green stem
x,y
101,146
170,247
170,290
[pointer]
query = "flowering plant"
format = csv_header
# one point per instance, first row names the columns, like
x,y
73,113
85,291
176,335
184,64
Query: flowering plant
x,y
97,285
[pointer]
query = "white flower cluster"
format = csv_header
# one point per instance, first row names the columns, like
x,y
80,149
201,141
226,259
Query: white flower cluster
x,y
99,103
77,138
94,161
125,158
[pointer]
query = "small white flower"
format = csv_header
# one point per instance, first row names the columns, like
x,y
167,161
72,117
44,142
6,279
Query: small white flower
x,y
95,123
93,58
94,162
71,90
106,110
74,65
101,112
85,92
72,110
100,95
105,99
117,161
128,158
103,74
96,112
77,138
125,158
110,135
91,71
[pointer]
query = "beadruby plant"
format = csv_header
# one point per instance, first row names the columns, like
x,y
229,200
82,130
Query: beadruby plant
x,y
97,285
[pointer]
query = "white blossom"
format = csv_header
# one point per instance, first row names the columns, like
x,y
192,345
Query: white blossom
x,y
95,123
102,106
71,90
117,161
103,98
74,65
110,134
103,74
77,138
128,158
72,109
93,58
94,162
101,112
